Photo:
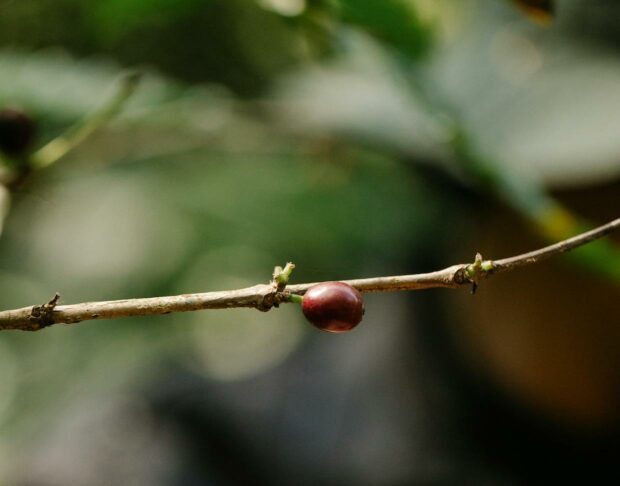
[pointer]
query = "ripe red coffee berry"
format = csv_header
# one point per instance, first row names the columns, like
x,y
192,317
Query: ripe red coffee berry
x,y
17,132
333,306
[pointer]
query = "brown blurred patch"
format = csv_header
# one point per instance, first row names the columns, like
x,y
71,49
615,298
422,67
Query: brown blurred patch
x,y
548,334
541,11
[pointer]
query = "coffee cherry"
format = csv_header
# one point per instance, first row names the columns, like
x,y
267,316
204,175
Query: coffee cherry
x,y
333,306
17,132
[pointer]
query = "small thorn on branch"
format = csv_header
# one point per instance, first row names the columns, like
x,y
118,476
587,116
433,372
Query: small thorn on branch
x,y
42,314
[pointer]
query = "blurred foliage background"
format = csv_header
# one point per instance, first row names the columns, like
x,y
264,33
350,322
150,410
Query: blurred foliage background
x,y
351,137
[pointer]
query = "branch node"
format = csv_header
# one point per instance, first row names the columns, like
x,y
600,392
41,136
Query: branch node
x,y
476,271
42,314
276,293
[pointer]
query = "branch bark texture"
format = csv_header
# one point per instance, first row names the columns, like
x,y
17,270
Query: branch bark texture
x,y
264,297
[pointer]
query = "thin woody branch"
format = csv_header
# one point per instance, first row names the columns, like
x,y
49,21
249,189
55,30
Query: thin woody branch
x,y
560,247
264,297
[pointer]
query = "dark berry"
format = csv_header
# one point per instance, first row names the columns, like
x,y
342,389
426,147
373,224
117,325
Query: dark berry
x,y
17,132
333,306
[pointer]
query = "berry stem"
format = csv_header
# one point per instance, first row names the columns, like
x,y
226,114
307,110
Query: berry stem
x,y
295,299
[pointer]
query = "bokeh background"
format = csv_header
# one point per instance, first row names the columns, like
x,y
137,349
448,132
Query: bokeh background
x,y
355,138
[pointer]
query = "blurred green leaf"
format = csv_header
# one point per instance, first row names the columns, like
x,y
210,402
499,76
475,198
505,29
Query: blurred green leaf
x,y
72,88
543,106
116,17
362,95
394,22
